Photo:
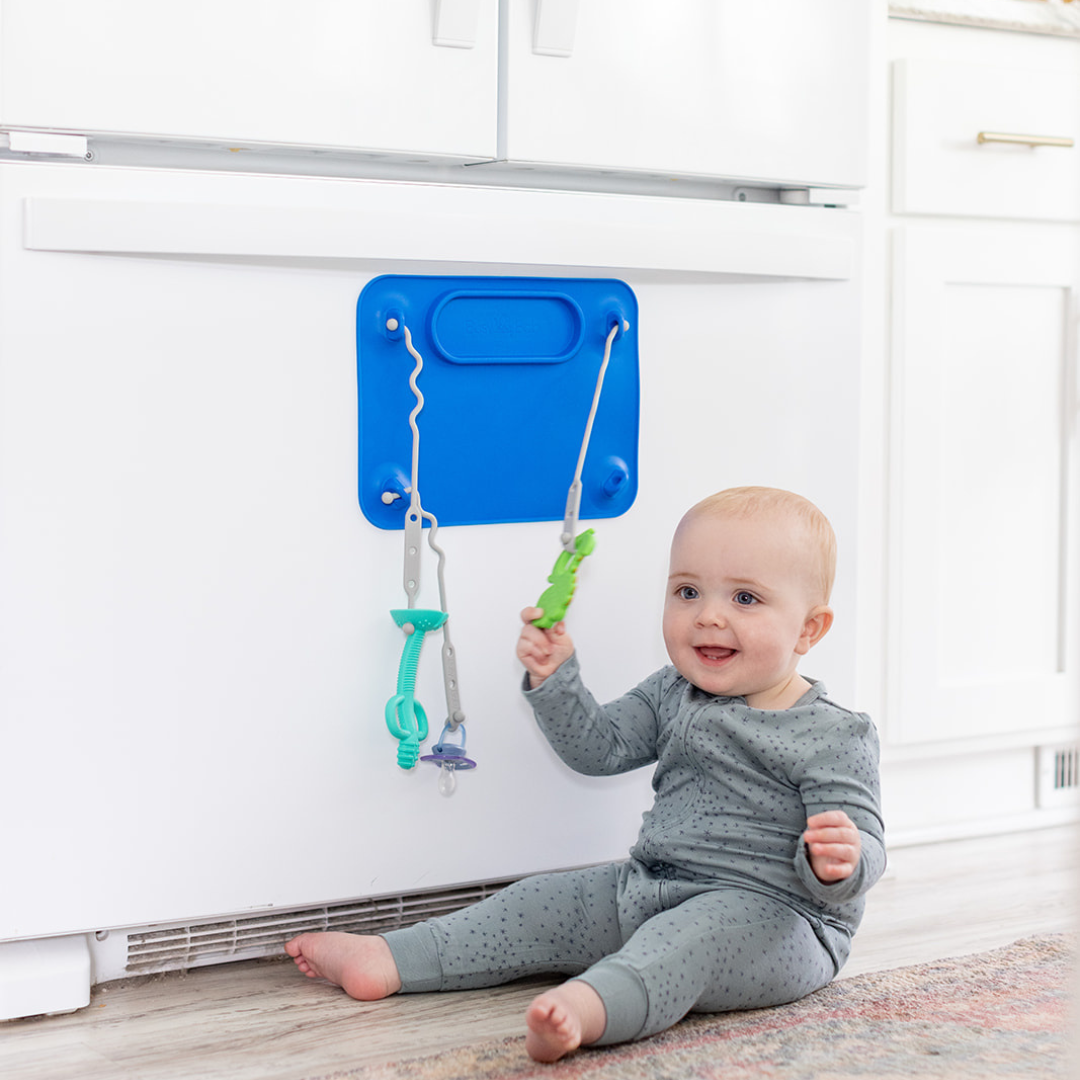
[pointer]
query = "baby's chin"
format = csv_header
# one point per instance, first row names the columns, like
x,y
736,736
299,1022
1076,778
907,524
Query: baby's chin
x,y
711,681
720,683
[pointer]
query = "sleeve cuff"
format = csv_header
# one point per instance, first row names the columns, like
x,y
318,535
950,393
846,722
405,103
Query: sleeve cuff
x,y
565,673
836,892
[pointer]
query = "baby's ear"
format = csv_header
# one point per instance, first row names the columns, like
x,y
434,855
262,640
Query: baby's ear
x,y
815,628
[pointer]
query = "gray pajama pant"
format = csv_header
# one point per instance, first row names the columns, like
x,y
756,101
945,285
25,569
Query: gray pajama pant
x,y
652,946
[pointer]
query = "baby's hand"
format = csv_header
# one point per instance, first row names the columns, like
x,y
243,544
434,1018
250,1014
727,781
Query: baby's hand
x,y
834,845
542,651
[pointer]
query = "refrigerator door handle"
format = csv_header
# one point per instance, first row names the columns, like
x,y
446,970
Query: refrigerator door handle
x,y
455,23
553,30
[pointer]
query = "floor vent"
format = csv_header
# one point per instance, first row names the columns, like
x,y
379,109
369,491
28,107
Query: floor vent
x,y
1058,781
179,947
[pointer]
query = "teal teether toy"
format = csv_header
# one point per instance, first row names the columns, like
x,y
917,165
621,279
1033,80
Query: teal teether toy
x,y
405,716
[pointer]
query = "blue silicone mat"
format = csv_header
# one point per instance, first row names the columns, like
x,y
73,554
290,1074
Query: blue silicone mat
x,y
510,366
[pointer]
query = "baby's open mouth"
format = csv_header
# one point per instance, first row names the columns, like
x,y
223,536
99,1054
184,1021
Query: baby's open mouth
x,y
714,652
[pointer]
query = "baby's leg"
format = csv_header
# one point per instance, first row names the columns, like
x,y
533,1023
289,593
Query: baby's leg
x,y
717,951
361,965
553,923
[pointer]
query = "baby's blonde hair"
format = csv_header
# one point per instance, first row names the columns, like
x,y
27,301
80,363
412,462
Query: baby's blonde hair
x,y
748,502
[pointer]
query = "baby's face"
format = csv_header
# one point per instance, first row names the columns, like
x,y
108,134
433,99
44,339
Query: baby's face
x,y
738,600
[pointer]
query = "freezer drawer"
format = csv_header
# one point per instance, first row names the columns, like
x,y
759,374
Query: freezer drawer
x,y
195,623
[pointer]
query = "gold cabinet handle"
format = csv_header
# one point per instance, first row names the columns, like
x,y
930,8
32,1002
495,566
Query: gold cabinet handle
x,y
1026,140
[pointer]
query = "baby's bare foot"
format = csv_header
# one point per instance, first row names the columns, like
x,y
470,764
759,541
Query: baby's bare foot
x,y
361,965
563,1019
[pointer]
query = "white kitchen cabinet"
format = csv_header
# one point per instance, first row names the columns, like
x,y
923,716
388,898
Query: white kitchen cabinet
x,y
328,73
971,428
982,441
982,604
718,88
710,87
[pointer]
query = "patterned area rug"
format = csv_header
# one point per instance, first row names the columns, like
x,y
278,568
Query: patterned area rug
x,y
999,1014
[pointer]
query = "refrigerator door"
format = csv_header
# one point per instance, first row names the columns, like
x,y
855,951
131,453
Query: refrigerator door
x,y
327,73
195,631
727,88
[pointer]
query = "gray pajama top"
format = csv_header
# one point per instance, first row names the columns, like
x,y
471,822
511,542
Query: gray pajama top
x,y
734,785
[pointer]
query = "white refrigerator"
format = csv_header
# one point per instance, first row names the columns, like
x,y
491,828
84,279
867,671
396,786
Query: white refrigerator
x,y
196,649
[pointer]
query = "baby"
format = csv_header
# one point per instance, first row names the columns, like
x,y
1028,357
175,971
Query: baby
x,y
746,883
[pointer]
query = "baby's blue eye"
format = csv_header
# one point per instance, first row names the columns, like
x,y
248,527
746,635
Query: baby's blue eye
x,y
745,599
688,592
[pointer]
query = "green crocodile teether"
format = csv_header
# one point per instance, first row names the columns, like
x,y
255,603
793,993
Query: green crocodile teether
x,y
557,596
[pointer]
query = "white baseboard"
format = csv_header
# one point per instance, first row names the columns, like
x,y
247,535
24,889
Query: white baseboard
x,y
969,830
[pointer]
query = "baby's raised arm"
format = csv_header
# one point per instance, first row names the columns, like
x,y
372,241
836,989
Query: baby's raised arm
x,y
542,651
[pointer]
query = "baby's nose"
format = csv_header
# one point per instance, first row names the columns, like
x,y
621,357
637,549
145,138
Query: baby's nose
x,y
710,614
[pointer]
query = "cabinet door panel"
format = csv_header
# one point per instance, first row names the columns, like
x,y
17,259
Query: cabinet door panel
x,y
981,450
335,73
712,87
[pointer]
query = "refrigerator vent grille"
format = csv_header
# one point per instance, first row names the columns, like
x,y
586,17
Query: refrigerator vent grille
x,y
179,947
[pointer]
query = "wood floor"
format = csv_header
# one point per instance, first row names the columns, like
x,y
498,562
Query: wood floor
x,y
261,1020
